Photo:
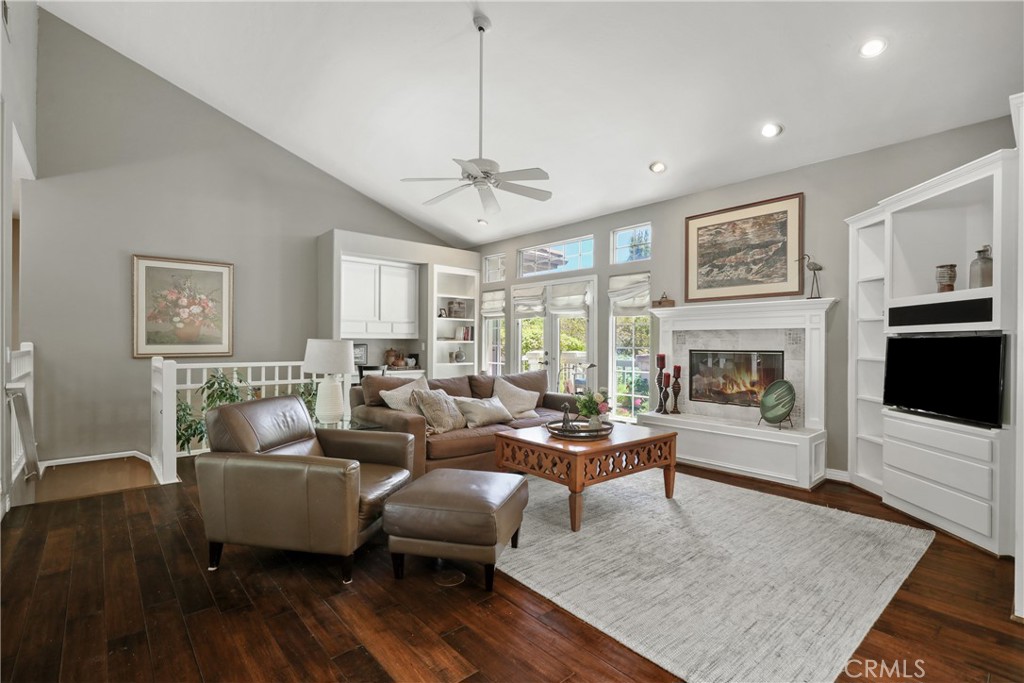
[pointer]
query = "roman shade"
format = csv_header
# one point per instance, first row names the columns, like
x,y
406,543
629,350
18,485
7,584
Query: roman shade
x,y
492,304
528,302
569,298
630,294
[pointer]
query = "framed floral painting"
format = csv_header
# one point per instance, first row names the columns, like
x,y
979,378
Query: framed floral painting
x,y
181,307
746,251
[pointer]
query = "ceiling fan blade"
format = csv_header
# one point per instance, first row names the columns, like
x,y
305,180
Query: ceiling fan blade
x,y
522,174
531,192
446,195
420,180
469,168
487,197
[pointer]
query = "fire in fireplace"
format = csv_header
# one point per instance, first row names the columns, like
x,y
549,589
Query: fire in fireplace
x,y
733,377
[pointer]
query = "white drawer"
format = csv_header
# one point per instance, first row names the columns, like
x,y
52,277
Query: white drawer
x,y
378,328
352,327
956,507
940,438
969,477
405,328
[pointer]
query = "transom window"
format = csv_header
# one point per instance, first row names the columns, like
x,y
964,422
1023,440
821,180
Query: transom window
x,y
577,254
494,268
631,244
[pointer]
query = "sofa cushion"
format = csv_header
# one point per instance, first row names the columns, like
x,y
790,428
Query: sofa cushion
x,y
374,384
544,415
519,402
400,399
439,409
453,386
463,441
483,411
536,380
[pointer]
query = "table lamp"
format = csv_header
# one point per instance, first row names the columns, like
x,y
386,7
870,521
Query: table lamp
x,y
332,358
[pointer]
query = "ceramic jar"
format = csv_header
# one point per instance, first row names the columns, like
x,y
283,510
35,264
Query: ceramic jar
x,y
981,268
945,277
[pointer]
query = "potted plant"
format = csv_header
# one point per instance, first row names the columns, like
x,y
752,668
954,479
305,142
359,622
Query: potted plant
x,y
592,405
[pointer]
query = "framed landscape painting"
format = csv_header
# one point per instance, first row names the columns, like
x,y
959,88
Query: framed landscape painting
x,y
746,251
181,307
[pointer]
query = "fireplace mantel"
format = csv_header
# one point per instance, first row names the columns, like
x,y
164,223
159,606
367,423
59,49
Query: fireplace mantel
x,y
790,456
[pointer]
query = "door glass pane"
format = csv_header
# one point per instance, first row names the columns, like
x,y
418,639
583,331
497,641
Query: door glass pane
x,y
632,365
573,356
531,344
494,346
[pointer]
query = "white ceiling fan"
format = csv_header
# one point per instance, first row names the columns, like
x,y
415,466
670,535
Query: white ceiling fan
x,y
484,174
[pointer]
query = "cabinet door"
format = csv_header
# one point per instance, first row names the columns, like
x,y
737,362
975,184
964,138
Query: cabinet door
x,y
398,295
359,292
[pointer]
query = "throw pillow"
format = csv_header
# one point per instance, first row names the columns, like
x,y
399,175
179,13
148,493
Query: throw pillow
x,y
519,402
439,409
401,398
482,411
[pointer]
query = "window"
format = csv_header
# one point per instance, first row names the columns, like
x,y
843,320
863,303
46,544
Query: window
x,y
577,254
631,393
631,244
494,346
630,297
494,268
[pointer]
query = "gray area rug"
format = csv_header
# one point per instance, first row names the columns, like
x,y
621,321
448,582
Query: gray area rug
x,y
720,583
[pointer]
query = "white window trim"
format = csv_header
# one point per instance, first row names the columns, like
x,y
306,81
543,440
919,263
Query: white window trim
x,y
519,257
611,246
504,268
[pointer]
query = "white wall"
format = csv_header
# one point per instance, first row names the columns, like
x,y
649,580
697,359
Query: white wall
x,y
834,190
130,164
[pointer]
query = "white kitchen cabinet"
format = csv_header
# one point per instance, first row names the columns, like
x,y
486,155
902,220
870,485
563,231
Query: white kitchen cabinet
x,y
379,299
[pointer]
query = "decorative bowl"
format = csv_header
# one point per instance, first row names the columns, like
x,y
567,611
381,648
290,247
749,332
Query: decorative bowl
x,y
582,432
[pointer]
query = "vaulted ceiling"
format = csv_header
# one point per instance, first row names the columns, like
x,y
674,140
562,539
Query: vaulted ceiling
x,y
592,92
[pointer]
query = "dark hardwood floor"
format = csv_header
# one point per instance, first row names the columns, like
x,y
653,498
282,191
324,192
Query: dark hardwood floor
x,y
114,587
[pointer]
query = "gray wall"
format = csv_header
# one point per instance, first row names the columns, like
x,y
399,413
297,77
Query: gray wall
x,y
129,164
834,190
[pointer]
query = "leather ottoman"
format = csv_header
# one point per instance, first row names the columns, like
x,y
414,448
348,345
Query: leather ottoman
x,y
456,515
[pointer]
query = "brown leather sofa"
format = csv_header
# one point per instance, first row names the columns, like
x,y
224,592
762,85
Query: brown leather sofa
x,y
467,448
272,479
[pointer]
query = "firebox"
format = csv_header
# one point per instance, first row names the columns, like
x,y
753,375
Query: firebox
x,y
733,377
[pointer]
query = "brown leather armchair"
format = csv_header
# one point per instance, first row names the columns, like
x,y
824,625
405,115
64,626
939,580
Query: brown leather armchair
x,y
272,479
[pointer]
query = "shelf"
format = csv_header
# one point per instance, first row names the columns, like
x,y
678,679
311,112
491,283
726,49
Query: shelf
x,y
873,399
871,278
466,297
456,341
943,297
873,319
453,364
871,359
457,320
870,437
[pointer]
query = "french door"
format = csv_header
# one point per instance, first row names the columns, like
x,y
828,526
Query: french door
x,y
555,331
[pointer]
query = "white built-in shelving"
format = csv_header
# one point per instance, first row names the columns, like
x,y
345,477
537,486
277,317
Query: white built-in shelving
x,y
456,292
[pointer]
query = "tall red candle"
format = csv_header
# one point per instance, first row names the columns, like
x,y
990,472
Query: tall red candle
x,y
661,361
677,371
668,381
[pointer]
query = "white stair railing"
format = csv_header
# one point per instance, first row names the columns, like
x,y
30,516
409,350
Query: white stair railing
x,y
172,382
22,380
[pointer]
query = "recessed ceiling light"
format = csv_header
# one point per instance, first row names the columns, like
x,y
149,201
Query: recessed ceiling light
x,y
657,167
481,222
873,48
771,130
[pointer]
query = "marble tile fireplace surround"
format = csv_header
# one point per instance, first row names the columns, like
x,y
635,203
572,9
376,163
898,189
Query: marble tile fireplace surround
x,y
727,436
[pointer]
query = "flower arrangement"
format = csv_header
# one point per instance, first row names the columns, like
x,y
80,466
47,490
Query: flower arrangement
x,y
591,403
182,304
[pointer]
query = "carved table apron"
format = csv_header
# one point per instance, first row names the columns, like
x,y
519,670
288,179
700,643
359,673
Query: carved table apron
x,y
578,464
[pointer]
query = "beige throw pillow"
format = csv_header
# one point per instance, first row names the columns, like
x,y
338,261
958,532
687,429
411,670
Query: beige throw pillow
x,y
439,409
401,398
482,411
519,402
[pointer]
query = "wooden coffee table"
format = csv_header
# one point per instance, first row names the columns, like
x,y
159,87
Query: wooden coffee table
x,y
578,464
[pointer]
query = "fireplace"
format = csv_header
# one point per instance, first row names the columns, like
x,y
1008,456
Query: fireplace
x,y
733,377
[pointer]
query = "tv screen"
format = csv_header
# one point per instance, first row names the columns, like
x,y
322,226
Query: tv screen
x,y
955,376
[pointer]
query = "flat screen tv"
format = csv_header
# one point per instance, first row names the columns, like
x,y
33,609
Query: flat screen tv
x,y
951,376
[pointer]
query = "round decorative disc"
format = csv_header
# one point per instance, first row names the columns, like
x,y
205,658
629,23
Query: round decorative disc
x,y
777,401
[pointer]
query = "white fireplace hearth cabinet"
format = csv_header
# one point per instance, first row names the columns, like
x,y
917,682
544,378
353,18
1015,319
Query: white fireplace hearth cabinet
x,y
727,437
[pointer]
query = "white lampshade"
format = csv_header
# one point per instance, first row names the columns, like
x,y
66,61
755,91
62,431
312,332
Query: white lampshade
x,y
329,357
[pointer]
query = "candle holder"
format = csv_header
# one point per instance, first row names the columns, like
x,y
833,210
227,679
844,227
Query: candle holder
x,y
676,388
661,396
664,398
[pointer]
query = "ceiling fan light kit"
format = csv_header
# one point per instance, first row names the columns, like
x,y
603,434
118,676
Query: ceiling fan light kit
x,y
485,174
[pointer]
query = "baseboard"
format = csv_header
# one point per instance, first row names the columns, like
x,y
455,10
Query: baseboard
x,y
837,475
43,464
1018,619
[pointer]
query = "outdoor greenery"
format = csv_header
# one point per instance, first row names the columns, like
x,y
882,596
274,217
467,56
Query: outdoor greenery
x,y
217,390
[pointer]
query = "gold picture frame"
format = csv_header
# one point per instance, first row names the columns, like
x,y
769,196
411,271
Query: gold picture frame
x,y
181,307
746,251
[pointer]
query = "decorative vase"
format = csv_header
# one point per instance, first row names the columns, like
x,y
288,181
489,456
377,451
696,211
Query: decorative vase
x,y
189,334
676,388
460,356
594,422
945,277
981,268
